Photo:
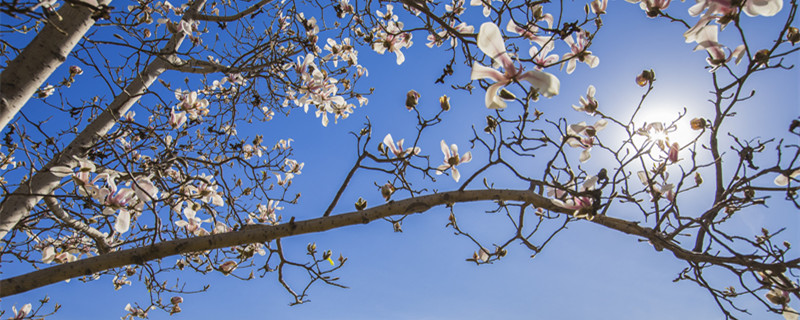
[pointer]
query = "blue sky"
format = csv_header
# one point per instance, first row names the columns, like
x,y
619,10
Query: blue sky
x,y
421,273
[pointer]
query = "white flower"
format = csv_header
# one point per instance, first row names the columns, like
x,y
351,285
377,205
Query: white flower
x,y
451,160
782,180
397,149
490,41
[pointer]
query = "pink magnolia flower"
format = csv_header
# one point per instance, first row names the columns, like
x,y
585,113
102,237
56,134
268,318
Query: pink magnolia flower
x,y
487,6
579,203
527,32
21,313
192,224
599,6
752,8
589,104
672,153
227,267
397,149
451,160
392,38
583,136
490,41
578,50
540,56
707,39
652,7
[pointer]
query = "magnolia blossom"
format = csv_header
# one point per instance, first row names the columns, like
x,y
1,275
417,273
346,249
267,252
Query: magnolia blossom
x,y
490,41
451,160
579,203
707,39
21,313
651,7
176,119
487,4
583,136
438,38
752,8
599,6
589,104
782,180
227,267
190,103
391,37
658,189
397,149
527,32
578,52
192,224
541,57
344,51
456,7
267,213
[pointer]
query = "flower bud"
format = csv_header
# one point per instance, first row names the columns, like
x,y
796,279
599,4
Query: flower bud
x,y
444,101
698,180
762,56
361,204
412,99
75,70
698,123
646,77
312,248
387,190
176,300
793,35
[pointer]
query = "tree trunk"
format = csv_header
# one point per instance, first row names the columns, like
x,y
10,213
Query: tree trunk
x,y
48,50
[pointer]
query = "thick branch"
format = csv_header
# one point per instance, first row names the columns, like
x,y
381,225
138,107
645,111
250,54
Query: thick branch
x,y
46,52
265,233
22,200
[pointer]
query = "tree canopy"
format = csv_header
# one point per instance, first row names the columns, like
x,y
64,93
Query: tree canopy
x,y
154,145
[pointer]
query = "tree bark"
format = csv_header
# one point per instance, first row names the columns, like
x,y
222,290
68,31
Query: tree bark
x,y
19,203
46,52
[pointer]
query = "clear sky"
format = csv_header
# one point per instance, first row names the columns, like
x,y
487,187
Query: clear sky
x,y
587,272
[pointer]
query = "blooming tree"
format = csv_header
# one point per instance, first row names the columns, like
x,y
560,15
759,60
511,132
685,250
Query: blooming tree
x,y
167,159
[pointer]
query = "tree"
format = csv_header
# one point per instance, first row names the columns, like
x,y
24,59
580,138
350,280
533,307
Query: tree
x,y
142,180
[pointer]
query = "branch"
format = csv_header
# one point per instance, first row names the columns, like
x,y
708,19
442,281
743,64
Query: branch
x,y
265,233
46,52
16,205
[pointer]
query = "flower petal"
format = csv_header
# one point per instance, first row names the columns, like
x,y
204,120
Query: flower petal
x,y
492,100
490,41
123,222
547,84
483,72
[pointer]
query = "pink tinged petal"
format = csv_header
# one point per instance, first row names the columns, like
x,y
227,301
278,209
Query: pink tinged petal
x,y
454,150
123,222
673,152
467,157
571,65
446,151
400,57
592,61
547,84
585,155
765,8
48,254
490,41
549,19
738,53
389,142
482,72
600,124
455,174
492,100
642,177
